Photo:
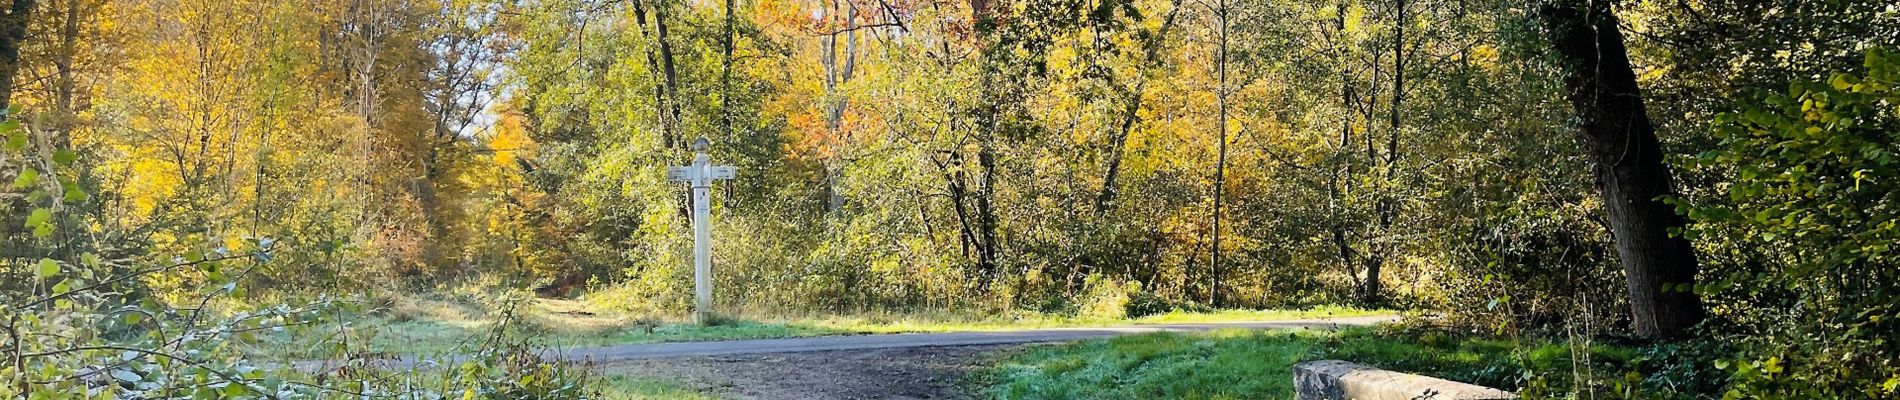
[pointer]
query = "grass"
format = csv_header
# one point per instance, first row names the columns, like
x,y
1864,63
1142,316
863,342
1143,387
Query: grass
x,y
1226,364
629,388
416,326
1241,364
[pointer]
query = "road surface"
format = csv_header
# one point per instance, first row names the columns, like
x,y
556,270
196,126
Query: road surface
x,y
906,340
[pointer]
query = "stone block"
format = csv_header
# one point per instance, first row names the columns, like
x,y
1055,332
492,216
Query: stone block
x,y
1342,380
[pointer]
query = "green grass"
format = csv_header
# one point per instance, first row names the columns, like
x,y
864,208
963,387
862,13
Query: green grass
x,y
1241,364
1227,364
628,388
427,327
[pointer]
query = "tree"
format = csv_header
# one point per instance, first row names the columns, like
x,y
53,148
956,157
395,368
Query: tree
x,y
1601,87
1221,91
13,22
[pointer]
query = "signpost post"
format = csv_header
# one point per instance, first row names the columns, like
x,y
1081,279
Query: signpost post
x,y
700,175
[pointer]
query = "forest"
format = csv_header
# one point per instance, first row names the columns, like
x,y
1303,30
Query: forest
x,y
1710,183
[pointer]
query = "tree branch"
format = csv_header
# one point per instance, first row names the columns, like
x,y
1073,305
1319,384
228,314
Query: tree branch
x,y
122,278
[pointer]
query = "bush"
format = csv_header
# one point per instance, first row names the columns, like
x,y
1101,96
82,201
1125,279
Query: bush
x,y
1142,304
1804,266
1106,298
85,326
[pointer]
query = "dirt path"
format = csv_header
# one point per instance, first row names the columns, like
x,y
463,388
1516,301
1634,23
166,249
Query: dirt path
x,y
906,366
893,373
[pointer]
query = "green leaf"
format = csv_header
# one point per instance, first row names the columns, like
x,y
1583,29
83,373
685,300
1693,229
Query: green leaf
x,y
65,157
39,216
16,141
133,318
47,268
26,179
126,376
74,194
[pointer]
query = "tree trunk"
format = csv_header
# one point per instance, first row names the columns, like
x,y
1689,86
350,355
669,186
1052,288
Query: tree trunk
x,y
725,75
659,83
1129,116
1220,163
1131,111
1339,187
959,191
66,86
988,115
1629,168
986,214
12,33
671,113
835,77
1372,290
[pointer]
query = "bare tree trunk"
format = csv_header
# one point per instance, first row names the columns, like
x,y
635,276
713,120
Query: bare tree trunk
x,y
1629,168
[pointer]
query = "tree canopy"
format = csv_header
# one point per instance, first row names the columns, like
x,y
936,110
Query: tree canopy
x,y
1720,172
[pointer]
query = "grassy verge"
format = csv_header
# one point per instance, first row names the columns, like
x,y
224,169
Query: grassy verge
x,y
626,388
1235,364
1214,365
420,326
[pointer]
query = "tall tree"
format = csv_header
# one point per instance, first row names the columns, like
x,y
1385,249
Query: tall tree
x,y
838,22
12,32
65,86
1631,178
1221,91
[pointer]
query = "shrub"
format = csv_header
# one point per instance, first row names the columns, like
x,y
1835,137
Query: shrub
x,y
1805,268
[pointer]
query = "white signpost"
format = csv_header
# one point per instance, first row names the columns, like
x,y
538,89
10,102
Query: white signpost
x,y
700,175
